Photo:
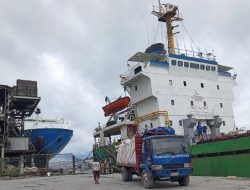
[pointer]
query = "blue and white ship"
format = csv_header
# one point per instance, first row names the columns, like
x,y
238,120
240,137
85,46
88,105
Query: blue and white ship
x,y
50,136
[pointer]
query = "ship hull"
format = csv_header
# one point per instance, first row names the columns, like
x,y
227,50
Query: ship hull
x,y
222,158
49,140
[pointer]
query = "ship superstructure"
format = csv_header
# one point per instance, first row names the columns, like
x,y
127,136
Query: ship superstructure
x,y
39,122
180,84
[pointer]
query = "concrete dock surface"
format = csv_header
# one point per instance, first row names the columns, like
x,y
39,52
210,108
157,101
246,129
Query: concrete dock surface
x,y
114,182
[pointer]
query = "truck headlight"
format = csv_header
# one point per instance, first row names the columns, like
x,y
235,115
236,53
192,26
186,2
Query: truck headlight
x,y
156,167
188,165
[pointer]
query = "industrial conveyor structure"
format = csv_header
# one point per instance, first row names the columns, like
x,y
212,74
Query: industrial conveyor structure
x,y
16,103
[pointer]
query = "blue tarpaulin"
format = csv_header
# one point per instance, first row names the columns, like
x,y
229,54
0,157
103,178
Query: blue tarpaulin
x,y
160,131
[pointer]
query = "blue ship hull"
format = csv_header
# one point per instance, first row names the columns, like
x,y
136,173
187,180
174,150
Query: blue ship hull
x,y
49,140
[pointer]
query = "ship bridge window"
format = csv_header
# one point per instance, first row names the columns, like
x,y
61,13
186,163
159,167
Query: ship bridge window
x,y
173,62
194,66
180,63
184,83
202,85
221,105
137,70
172,102
208,68
202,67
218,87
192,103
213,68
170,123
186,64
205,104
180,122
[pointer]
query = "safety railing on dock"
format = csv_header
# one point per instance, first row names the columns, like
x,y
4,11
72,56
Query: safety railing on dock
x,y
43,165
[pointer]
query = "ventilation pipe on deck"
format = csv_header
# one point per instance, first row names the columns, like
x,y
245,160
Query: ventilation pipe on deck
x,y
215,126
188,125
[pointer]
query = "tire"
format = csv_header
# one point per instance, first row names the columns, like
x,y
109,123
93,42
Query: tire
x,y
130,174
147,179
124,172
184,181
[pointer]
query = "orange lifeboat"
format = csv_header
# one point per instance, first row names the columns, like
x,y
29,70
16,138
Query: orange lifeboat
x,y
116,106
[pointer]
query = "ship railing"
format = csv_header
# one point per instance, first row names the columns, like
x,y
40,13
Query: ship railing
x,y
124,76
153,115
190,53
129,73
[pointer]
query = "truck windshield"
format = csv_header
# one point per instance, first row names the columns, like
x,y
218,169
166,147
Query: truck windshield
x,y
169,145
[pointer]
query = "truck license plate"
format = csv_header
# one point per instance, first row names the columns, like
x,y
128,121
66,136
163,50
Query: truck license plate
x,y
174,173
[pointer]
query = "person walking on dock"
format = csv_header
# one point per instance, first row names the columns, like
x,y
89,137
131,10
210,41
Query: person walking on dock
x,y
96,171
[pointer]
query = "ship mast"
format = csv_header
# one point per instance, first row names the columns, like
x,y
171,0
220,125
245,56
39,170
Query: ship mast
x,y
168,13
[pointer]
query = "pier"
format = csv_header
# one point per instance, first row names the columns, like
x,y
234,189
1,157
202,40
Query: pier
x,y
109,182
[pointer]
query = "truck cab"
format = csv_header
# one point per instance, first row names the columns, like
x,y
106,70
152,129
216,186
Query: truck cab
x,y
165,157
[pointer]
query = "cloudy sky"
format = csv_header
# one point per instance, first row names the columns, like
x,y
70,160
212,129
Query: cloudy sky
x,y
77,49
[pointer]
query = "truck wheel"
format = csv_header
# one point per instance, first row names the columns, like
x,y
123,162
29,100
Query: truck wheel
x,y
124,172
184,181
130,174
147,179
